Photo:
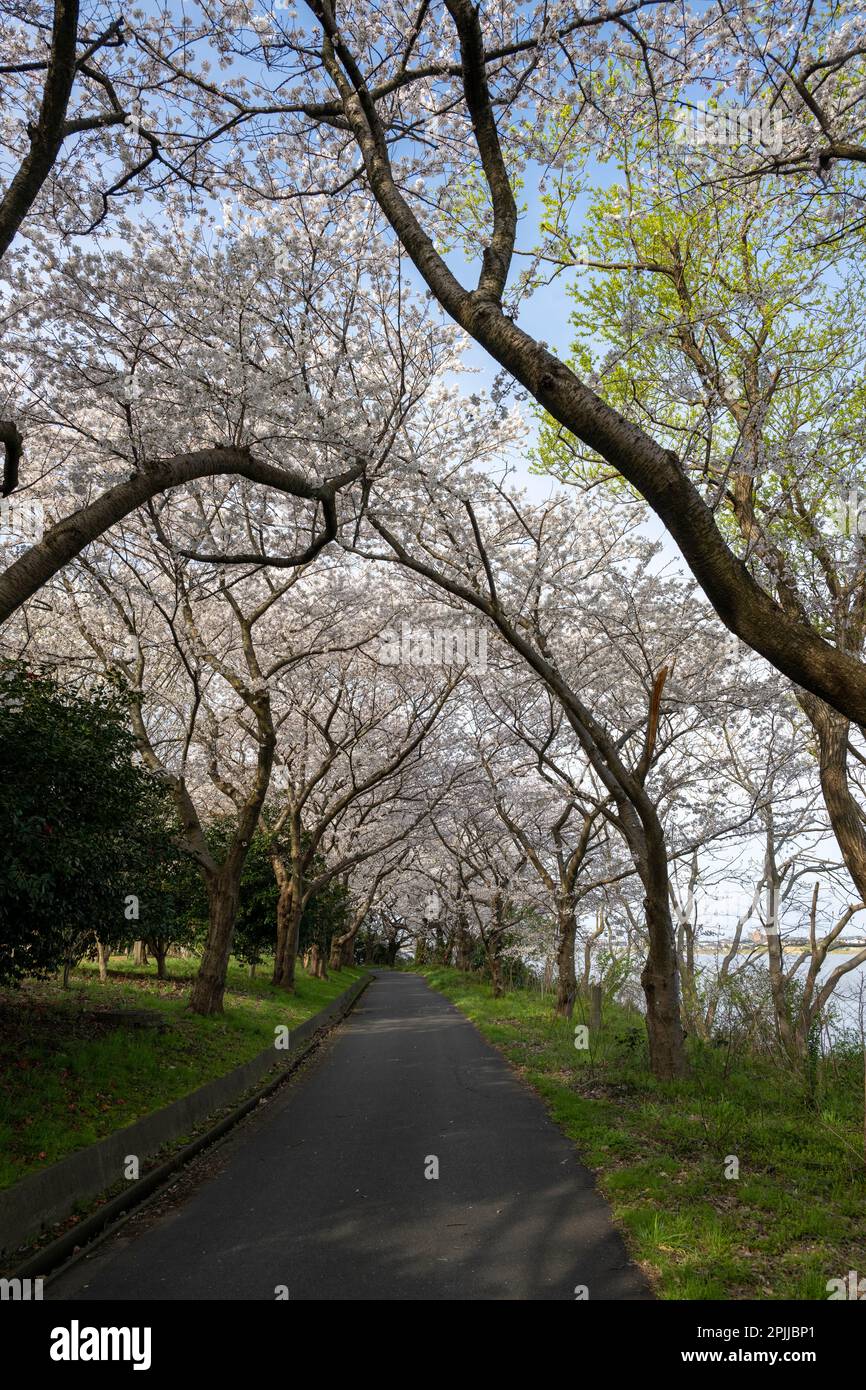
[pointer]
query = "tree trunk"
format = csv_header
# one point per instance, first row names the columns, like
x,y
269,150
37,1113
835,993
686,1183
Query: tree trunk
x,y
444,945
566,987
692,1006
335,956
786,1033
285,920
778,989
284,915
316,963
290,909
288,976
842,808
159,949
102,957
660,975
595,1010
492,942
289,913
210,983
464,945
587,950
495,966
343,948
139,953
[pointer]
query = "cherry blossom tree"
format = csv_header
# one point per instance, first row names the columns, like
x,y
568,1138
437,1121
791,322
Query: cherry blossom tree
x,y
512,564
349,784
749,358
442,93
280,356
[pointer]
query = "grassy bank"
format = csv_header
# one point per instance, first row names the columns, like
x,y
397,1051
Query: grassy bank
x,y
70,1076
796,1215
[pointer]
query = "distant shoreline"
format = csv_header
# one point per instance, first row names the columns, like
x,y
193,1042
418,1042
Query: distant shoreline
x,y
724,946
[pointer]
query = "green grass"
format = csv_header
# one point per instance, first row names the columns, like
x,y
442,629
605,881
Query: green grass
x,y
66,1080
794,1218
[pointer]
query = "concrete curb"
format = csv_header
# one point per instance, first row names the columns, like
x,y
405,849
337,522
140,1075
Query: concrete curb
x,y
53,1194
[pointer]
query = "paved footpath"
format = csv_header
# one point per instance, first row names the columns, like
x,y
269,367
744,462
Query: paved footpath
x,y
325,1193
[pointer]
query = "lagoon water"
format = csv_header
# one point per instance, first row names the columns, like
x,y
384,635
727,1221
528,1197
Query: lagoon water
x,y
845,999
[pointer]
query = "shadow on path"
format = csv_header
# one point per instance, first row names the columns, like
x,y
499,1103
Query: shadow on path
x,y
326,1193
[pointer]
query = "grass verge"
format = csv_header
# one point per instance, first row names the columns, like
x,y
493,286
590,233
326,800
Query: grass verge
x,y
795,1216
70,1075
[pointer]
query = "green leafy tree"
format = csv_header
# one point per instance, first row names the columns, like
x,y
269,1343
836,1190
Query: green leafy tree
x,y
255,924
741,345
84,822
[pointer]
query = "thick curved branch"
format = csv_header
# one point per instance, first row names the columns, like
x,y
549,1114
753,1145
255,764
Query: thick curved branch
x,y
303,557
48,134
498,253
70,536
744,606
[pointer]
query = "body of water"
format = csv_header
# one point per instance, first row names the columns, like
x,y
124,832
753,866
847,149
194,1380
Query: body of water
x,y
846,995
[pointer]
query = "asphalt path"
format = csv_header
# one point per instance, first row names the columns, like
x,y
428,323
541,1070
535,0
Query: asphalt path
x,y
325,1194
